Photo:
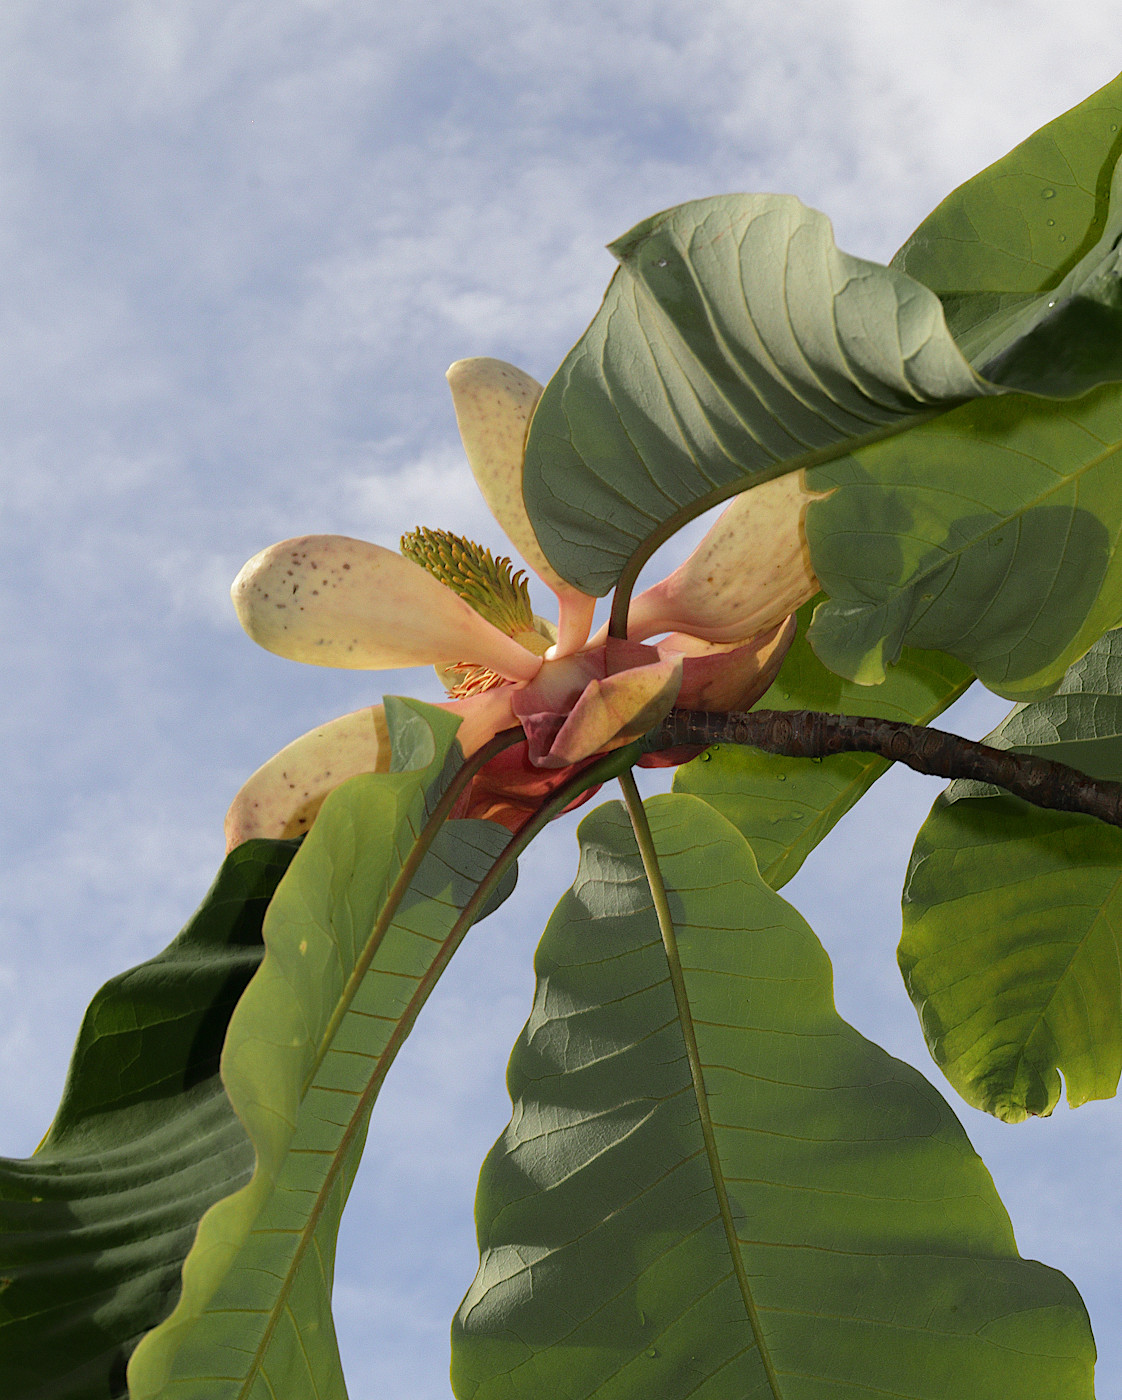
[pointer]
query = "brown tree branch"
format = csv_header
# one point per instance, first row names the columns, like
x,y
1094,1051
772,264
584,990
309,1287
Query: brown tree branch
x,y
812,734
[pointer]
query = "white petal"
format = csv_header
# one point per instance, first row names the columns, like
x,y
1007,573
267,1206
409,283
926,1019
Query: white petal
x,y
282,798
334,601
746,575
494,403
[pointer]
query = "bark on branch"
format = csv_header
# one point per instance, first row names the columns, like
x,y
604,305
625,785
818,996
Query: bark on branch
x,y
812,734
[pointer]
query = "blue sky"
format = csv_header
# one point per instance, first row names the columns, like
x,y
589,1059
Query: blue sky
x,y
240,243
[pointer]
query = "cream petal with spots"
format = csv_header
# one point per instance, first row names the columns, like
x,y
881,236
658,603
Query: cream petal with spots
x,y
749,572
334,601
284,795
494,402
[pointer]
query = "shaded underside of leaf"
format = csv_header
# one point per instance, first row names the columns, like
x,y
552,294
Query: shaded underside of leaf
x,y
784,807
734,337
1011,948
874,1255
95,1226
354,938
736,342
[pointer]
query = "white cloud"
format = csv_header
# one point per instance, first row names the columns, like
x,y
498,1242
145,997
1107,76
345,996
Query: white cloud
x,y
198,584
402,491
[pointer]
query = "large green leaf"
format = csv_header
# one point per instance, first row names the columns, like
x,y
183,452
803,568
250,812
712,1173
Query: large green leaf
x,y
785,806
800,1219
1011,948
993,533
95,1226
1022,224
736,343
1074,341
735,337
355,936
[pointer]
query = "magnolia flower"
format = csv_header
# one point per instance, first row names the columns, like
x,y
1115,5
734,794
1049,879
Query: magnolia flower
x,y
726,612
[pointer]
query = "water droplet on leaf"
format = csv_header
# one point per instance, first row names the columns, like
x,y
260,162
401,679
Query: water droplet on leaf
x,y
652,1351
1047,193
1051,223
706,756
1063,237
782,777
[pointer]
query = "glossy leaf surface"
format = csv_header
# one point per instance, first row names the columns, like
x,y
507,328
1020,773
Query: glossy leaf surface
x,y
783,806
1011,947
95,1226
355,937
829,1232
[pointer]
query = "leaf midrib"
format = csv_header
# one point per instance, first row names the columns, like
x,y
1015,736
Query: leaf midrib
x,y
810,458
398,890
645,841
467,917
